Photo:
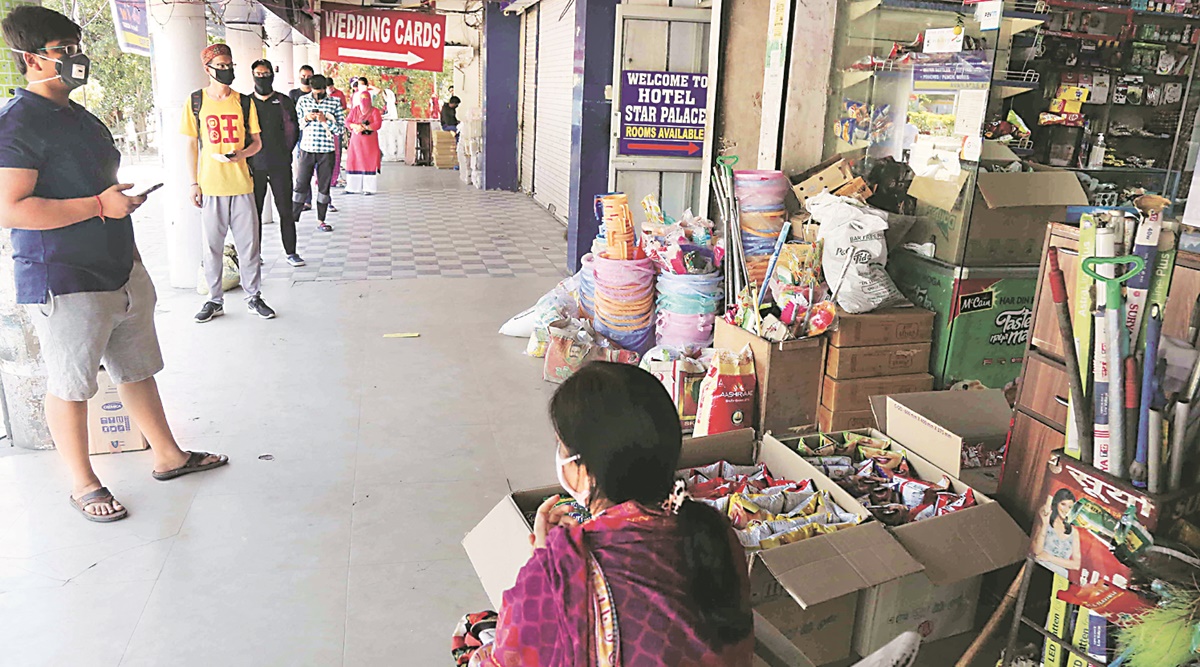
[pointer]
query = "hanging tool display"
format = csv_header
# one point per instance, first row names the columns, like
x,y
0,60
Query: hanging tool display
x,y
1147,461
1116,333
1082,422
1106,244
737,274
1140,434
1145,245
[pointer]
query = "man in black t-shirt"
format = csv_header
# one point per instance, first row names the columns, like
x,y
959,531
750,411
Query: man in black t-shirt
x,y
306,74
78,271
273,164
450,115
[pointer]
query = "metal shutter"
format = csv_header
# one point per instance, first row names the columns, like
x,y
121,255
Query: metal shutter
x,y
552,122
529,60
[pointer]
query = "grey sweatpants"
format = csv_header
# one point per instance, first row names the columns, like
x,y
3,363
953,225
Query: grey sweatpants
x,y
218,216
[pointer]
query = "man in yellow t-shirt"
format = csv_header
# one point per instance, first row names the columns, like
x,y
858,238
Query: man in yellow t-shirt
x,y
222,130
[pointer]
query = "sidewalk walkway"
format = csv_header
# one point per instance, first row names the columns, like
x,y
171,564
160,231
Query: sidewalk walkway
x,y
342,546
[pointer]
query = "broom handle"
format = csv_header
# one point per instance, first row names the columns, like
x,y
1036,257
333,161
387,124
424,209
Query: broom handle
x,y
1079,407
1010,599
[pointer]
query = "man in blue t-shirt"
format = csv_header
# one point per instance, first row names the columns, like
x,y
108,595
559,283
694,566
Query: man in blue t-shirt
x,y
77,268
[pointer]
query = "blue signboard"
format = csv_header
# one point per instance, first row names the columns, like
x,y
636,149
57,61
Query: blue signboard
x,y
663,113
133,26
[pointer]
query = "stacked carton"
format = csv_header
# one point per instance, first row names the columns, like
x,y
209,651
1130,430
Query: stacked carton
x,y
445,150
883,352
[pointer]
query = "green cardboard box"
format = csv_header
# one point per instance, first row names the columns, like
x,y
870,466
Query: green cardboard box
x,y
982,317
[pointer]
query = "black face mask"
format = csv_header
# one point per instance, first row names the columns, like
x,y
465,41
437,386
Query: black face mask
x,y
304,80
73,70
264,85
320,96
223,76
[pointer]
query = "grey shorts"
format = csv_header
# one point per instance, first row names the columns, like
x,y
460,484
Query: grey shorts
x,y
79,332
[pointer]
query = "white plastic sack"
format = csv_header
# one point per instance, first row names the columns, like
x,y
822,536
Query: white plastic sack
x,y
231,276
855,254
560,303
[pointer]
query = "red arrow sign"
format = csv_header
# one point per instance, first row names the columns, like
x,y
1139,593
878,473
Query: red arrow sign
x,y
385,38
690,148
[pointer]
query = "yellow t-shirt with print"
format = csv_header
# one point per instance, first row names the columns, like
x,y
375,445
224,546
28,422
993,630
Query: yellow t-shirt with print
x,y
223,130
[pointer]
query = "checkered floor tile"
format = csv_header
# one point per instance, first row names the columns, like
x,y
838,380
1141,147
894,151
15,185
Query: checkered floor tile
x,y
424,222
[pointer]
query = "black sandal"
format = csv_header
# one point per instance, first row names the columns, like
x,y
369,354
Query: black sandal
x,y
193,465
100,496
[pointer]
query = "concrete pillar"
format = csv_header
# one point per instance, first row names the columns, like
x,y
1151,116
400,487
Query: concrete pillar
x,y
314,57
244,34
501,76
280,51
178,31
299,55
595,32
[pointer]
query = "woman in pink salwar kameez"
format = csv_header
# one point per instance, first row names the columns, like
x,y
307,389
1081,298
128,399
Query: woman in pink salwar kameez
x,y
364,159
654,578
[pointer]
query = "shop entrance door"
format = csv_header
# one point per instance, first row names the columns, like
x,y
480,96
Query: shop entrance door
x,y
662,106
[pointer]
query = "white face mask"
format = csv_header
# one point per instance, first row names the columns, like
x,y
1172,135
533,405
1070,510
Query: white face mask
x,y
580,497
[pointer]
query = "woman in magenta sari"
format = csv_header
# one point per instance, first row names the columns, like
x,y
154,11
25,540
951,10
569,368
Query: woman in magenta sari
x,y
363,162
653,578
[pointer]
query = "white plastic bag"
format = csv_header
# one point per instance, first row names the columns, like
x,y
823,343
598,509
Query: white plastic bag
x,y
855,254
560,303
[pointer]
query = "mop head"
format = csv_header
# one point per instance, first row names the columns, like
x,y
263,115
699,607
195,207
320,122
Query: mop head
x,y
1165,636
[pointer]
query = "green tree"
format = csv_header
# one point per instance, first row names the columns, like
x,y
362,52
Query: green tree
x,y
409,85
121,84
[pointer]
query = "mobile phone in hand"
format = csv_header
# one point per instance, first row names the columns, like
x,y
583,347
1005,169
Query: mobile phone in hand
x,y
148,190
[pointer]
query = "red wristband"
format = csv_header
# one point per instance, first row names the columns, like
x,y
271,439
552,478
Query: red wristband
x,y
100,204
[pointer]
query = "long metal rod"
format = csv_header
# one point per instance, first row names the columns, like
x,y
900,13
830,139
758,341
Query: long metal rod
x,y
1187,91
1019,619
1010,649
1066,645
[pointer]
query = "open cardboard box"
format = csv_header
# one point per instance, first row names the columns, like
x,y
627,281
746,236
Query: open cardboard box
x,y
1002,220
807,590
961,432
956,550
788,393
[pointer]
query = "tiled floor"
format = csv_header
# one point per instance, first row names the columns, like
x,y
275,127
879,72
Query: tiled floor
x,y
423,222
344,547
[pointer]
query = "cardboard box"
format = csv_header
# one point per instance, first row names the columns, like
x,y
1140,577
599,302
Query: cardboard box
x,y
807,590
848,363
844,420
954,430
914,603
886,326
955,549
854,395
829,175
982,321
111,428
1000,219
788,374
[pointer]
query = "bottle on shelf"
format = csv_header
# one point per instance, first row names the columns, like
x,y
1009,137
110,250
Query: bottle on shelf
x,y
1096,156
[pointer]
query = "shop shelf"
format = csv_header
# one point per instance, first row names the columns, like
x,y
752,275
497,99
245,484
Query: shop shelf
x,y
1157,137
1011,83
1084,35
1129,170
1114,9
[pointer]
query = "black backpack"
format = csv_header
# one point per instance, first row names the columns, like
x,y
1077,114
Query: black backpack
x,y
198,100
